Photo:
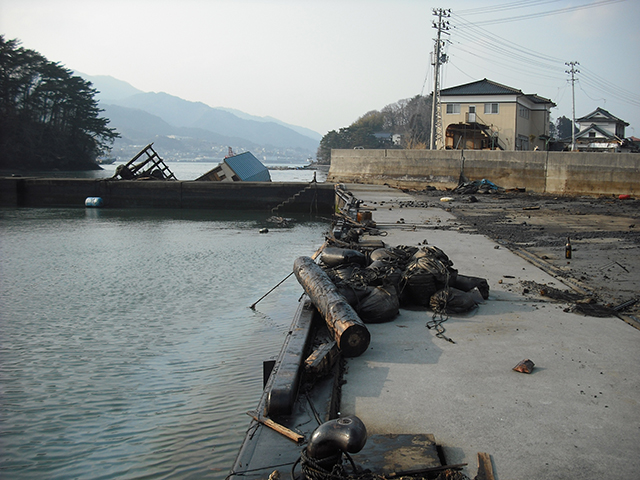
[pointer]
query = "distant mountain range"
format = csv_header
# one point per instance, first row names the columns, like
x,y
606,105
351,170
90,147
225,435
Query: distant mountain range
x,y
184,130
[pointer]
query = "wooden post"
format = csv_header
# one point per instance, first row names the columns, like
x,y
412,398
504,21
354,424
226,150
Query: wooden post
x,y
349,332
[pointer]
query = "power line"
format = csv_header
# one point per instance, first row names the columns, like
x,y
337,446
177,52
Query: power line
x,y
505,6
510,66
606,86
472,31
548,13
530,61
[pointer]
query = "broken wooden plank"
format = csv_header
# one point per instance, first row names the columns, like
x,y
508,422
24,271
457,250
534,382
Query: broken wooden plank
x,y
485,468
281,429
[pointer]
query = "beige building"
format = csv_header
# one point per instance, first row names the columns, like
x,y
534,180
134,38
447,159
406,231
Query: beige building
x,y
486,115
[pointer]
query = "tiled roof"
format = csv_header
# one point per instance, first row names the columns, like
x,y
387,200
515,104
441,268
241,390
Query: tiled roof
x,y
248,168
488,87
600,112
481,87
596,128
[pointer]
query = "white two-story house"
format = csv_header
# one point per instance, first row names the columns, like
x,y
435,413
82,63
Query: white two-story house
x,y
600,131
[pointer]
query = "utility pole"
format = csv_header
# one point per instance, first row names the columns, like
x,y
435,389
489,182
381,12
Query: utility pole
x,y
573,70
442,25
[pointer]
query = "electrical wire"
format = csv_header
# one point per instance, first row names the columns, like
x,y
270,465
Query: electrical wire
x,y
504,6
527,60
603,85
472,32
549,13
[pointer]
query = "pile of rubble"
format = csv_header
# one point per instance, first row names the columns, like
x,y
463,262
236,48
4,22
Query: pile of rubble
x,y
378,282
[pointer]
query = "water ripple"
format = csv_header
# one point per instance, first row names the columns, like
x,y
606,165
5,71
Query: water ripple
x,y
128,349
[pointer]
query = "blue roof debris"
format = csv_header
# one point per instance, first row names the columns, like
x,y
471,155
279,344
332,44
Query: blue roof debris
x,y
244,167
248,168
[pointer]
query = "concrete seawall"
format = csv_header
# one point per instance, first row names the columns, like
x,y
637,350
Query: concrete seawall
x,y
52,192
568,173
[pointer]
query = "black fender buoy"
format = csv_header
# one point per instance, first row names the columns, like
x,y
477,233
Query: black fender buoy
x,y
332,438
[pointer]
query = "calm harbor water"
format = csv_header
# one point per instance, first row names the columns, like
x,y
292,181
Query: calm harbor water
x,y
127,345
192,170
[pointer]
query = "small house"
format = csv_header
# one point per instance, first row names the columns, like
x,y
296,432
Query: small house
x,y
600,131
244,167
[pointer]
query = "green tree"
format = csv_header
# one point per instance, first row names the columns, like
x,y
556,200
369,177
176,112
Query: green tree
x,y
563,127
409,118
49,118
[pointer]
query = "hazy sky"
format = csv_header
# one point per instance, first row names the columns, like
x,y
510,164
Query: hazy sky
x,y
323,63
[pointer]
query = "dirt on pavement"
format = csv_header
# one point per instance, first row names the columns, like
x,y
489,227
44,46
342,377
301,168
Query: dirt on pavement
x,y
604,233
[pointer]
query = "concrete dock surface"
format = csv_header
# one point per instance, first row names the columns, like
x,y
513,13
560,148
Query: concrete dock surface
x,y
576,416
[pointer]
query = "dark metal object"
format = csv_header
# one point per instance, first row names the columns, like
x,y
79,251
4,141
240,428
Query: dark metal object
x,y
349,332
347,434
627,304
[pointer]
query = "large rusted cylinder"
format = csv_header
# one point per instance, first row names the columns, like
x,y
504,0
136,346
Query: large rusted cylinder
x,y
347,329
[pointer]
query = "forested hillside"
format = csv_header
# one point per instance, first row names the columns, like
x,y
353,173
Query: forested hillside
x,y
404,124
49,119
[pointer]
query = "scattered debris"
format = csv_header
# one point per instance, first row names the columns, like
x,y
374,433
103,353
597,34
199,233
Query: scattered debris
x,y
243,167
556,294
592,310
477,186
322,359
280,221
525,366
485,467
150,168
624,305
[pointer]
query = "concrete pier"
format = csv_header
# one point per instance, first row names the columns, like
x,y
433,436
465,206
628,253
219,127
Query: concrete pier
x,y
576,416
55,192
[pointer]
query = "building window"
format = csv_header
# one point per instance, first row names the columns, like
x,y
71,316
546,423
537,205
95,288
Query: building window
x,y
523,112
453,108
592,134
490,108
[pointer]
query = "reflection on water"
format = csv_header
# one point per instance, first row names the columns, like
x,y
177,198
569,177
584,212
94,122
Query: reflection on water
x,y
128,348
